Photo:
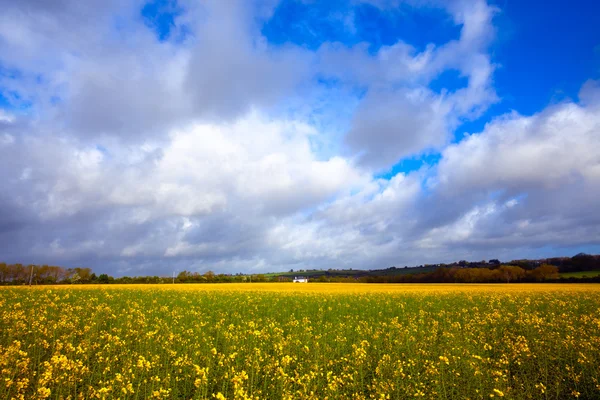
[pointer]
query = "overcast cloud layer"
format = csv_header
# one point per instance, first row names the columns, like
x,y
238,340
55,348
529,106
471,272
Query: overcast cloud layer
x,y
137,151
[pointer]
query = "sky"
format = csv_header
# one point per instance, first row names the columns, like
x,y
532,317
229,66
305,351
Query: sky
x,y
146,138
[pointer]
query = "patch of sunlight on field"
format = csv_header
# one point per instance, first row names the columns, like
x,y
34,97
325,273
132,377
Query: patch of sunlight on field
x,y
580,274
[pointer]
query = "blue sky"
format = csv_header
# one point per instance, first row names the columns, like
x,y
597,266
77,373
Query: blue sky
x,y
544,53
311,24
547,52
253,136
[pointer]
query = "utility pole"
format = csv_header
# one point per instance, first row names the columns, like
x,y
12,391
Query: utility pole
x,y
31,275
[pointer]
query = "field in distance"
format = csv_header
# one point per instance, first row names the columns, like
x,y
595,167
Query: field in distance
x,y
300,341
580,274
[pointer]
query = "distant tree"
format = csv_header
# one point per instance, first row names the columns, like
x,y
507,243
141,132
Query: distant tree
x,y
124,279
511,273
545,272
103,278
84,274
210,276
75,278
183,276
583,262
494,261
3,272
441,274
17,273
57,273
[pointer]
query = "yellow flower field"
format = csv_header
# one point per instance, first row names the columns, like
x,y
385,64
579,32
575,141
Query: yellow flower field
x,y
300,341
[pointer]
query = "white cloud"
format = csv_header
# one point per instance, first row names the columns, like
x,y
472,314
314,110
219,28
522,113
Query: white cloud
x,y
205,167
400,116
539,175
203,152
552,149
6,117
409,123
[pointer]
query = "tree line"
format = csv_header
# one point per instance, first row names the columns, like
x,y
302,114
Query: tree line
x,y
461,272
43,274
500,274
20,274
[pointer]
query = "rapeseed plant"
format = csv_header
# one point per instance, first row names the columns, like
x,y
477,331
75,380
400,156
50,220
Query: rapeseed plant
x,y
318,341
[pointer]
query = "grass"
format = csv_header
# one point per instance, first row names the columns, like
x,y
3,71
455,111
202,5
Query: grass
x,y
305,341
580,274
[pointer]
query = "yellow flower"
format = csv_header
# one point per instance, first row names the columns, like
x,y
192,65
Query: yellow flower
x,y
44,392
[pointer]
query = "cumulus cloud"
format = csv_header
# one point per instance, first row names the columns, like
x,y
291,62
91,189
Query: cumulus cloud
x,y
548,150
399,115
233,69
241,175
524,183
409,123
537,176
135,154
98,71
205,167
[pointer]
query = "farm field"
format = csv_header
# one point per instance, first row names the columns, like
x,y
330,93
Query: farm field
x,y
580,274
300,341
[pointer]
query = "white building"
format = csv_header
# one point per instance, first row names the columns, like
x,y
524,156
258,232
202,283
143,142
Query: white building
x,y
300,279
